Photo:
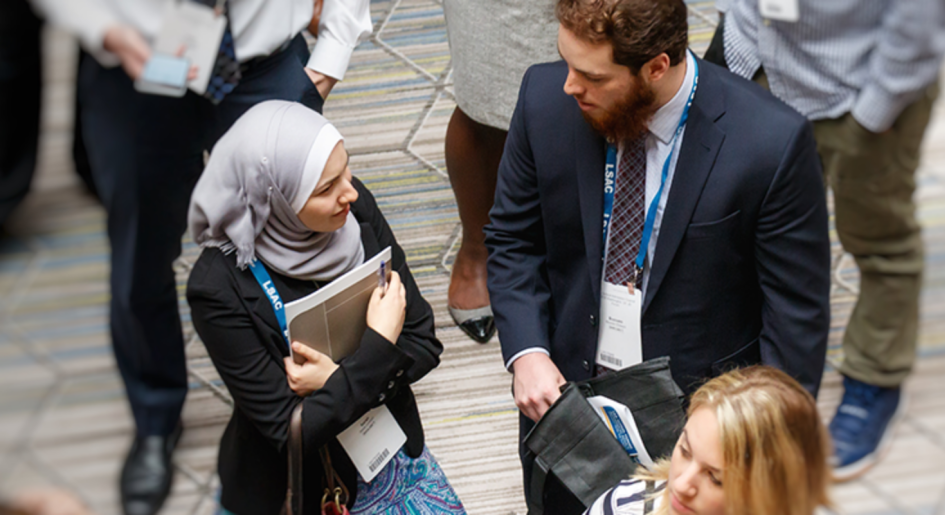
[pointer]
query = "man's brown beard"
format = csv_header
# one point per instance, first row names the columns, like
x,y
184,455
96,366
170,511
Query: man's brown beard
x,y
629,119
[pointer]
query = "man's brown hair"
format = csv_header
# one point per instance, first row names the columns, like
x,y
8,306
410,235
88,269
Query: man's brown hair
x,y
639,30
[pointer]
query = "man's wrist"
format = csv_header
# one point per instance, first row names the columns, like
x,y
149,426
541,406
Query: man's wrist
x,y
510,364
323,83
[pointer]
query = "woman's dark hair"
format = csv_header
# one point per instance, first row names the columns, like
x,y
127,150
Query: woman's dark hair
x,y
639,30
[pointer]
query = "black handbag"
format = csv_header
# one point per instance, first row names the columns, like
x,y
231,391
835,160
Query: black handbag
x,y
572,443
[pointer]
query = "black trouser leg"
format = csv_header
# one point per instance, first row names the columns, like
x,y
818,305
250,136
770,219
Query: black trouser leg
x,y
148,350
80,156
20,87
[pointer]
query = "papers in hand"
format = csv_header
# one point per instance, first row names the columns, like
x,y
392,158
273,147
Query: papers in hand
x,y
197,29
619,420
372,441
332,320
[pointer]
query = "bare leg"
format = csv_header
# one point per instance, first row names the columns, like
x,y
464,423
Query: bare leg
x,y
473,151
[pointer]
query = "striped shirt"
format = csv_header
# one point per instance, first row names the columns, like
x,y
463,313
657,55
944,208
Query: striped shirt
x,y
870,58
627,498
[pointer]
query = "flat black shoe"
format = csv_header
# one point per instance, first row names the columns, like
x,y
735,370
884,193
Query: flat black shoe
x,y
147,474
478,324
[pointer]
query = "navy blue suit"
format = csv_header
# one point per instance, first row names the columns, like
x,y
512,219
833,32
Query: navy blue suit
x,y
741,269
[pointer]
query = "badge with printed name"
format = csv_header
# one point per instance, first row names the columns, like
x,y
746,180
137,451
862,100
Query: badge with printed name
x,y
372,441
781,10
619,344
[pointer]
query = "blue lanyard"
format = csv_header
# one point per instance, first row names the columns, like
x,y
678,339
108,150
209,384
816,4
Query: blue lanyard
x,y
262,277
610,171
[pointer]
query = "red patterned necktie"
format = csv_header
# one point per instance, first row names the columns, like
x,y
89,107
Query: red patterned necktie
x,y
629,214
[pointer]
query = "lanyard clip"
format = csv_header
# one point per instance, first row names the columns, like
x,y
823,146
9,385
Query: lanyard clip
x,y
637,276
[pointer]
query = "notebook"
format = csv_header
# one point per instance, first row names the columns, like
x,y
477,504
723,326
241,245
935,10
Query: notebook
x,y
332,320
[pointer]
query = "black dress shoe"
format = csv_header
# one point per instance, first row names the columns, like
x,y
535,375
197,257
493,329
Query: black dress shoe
x,y
478,324
147,474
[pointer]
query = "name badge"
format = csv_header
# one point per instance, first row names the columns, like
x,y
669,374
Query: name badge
x,y
619,344
372,441
199,30
781,10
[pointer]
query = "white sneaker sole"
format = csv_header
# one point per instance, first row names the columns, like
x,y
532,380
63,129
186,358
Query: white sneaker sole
x,y
859,467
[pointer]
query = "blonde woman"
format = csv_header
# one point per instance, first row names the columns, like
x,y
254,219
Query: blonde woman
x,y
754,444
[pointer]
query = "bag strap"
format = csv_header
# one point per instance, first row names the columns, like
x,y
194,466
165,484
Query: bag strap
x,y
335,490
536,490
293,495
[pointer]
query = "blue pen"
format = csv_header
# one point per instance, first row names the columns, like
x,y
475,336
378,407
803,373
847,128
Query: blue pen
x,y
382,279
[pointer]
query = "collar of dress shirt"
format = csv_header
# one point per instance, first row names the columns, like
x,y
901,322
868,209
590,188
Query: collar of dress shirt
x,y
666,119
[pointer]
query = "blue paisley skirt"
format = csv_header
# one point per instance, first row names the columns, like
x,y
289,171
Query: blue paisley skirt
x,y
405,487
408,487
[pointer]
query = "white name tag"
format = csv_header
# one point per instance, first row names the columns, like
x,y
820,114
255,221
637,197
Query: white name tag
x,y
372,441
199,30
619,344
781,10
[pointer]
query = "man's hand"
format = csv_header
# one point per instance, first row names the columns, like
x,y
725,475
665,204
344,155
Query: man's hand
x,y
536,384
310,375
130,47
133,51
323,83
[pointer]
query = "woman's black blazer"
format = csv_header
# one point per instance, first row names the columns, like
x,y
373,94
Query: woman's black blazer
x,y
239,328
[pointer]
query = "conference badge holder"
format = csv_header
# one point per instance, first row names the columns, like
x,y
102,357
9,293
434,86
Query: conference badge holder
x,y
372,441
619,337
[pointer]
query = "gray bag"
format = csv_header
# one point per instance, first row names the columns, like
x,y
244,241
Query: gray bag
x,y
571,442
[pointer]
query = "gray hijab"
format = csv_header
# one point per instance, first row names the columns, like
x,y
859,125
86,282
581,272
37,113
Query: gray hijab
x,y
257,172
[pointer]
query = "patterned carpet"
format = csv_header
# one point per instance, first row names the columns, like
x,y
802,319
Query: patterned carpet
x,y
63,417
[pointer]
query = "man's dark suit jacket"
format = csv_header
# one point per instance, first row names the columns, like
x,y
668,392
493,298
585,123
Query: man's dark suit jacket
x,y
741,269
239,328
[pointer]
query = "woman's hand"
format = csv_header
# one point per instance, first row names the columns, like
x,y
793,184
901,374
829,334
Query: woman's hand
x,y
387,309
310,375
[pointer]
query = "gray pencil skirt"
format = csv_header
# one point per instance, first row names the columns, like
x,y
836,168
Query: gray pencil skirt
x,y
492,43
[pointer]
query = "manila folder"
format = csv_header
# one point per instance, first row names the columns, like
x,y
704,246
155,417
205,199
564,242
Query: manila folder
x,y
332,320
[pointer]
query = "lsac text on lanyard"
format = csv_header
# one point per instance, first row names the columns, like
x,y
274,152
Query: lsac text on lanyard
x,y
610,182
265,282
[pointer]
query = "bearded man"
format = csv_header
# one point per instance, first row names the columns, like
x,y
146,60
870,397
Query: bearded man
x,y
652,204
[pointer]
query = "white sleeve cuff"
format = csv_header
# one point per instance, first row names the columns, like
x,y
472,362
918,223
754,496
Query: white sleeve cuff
x,y
344,24
330,56
876,109
92,39
508,364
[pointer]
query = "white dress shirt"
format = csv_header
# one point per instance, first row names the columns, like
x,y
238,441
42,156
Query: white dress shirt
x,y
259,27
661,131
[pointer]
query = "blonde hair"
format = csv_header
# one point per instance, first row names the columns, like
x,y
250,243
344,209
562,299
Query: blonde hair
x,y
774,445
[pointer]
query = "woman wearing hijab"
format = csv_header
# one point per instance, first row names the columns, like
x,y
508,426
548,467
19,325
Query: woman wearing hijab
x,y
278,193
